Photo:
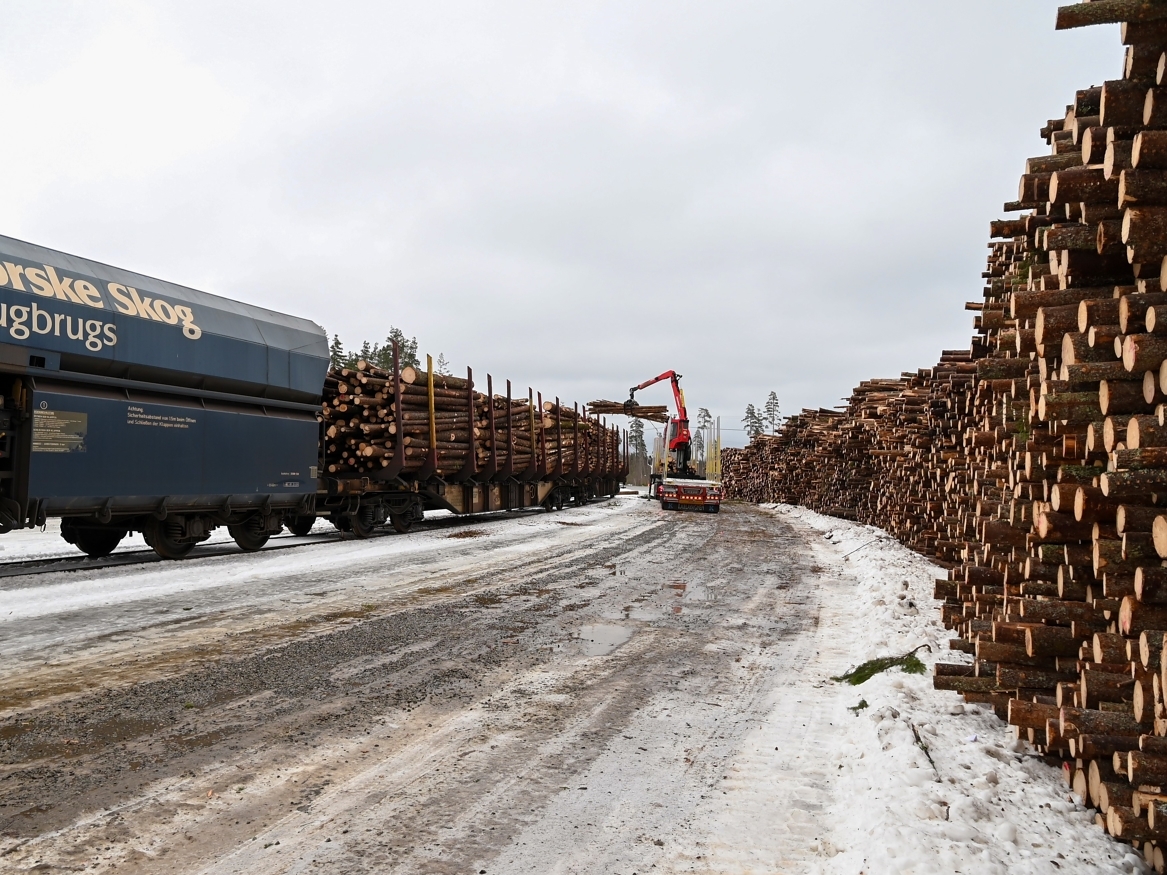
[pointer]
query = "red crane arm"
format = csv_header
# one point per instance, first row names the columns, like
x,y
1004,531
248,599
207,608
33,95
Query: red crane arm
x,y
678,437
678,395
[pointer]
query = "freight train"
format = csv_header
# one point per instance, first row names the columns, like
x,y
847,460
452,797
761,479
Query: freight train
x,y
130,404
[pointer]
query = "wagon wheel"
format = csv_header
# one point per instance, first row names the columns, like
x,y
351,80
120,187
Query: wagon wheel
x,y
251,534
163,536
363,522
301,525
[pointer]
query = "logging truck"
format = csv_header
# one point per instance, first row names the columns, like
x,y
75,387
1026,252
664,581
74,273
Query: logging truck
x,y
128,403
675,483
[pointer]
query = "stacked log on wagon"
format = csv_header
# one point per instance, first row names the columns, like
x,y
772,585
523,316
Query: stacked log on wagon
x,y
1034,465
423,422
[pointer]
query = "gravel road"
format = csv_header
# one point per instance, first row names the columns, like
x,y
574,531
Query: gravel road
x,y
521,693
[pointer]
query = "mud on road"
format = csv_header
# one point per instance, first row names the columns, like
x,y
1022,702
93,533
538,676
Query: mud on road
x,y
566,697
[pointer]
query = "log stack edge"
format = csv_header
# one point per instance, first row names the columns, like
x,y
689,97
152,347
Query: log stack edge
x,y
1033,465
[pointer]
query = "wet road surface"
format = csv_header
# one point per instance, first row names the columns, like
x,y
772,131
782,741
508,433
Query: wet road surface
x,y
534,693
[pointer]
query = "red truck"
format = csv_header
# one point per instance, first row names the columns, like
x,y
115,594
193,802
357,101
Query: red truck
x,y
678,486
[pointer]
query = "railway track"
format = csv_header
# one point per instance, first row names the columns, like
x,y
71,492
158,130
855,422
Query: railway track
x,y
285,541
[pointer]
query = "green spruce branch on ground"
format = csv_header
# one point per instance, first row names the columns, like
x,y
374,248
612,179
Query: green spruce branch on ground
x,y
908,663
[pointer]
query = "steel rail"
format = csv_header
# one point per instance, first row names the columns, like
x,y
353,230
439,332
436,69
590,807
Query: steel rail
x,y
146,556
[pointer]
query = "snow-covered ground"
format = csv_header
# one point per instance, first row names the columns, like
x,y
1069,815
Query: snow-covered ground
x,y
983,803
46,542
66,612
658,697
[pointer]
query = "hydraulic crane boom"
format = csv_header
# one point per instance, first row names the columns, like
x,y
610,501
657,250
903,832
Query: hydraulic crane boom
x,y
678,395
679,438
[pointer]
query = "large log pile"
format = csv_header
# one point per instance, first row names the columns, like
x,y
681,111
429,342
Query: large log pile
x,y
1034,465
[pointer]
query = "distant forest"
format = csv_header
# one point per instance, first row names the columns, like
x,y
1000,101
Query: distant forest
x,y
381,354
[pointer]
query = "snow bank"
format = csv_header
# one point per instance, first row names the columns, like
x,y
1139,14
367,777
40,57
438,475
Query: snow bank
x,y
921,782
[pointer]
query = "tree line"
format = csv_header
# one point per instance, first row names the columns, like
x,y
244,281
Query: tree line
x,y
381,354
768,419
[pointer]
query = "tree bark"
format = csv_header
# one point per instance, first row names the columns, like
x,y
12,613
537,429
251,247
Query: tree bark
x,y
1150,151
1122,396
1144,231
1078,184
1135,617
1109,12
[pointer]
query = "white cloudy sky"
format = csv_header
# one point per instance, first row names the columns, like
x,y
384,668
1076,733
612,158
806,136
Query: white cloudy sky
x,y
770,195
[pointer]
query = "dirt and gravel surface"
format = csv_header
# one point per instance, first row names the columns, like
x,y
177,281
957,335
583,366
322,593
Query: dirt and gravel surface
x,y
568,692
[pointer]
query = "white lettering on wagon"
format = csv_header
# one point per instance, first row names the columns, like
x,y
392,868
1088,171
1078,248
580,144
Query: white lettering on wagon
x,y
47,282
139,416
23,322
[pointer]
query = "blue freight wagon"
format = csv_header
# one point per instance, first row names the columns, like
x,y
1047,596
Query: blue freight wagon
x,y
131,403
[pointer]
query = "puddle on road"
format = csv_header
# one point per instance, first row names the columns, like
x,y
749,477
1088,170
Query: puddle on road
x,y
691,592
601,639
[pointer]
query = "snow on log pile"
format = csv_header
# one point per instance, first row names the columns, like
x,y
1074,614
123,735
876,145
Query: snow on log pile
x,y
1034,464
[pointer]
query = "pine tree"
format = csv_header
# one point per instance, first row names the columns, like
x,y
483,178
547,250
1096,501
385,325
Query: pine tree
x,y
385,353
441,366
772,413
636,439
704,421
382,355
753,422
406,348
336,352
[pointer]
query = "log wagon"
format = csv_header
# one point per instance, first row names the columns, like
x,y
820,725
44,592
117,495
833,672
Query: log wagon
x,y
128,403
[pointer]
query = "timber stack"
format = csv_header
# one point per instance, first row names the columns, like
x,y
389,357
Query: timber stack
x,y
1034,465
372,420
649,412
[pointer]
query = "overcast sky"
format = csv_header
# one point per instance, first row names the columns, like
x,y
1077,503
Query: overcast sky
x,y
782,196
